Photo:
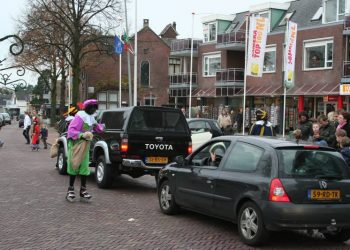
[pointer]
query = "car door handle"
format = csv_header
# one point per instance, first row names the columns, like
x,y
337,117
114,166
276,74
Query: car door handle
x,y
209,181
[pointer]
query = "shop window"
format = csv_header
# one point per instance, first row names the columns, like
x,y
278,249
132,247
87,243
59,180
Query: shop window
x,y
209,32
145,73
270,60
318,55
334,10
211,64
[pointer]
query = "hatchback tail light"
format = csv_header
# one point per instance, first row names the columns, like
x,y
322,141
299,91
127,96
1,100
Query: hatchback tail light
x,y
124,146
277,192
189,149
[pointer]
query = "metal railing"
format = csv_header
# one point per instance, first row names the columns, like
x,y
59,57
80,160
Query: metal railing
x,y
232,37
347,22
230,75
346,69
182,79
184,44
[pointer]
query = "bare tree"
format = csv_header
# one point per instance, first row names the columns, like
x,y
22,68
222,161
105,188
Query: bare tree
x,y
86,25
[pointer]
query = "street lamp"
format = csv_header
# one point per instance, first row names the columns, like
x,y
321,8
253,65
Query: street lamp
x,y
191,62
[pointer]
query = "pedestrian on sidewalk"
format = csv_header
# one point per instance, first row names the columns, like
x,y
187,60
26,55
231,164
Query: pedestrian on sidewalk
x,y
262,126
36,134
44,134
225,122
80,129
26,126
345,149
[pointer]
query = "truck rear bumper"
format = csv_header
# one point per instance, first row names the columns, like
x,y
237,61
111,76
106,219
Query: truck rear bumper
x,y
138,164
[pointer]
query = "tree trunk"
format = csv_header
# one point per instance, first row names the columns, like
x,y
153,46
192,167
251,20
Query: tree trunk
x,y
63,90
53,100
76,81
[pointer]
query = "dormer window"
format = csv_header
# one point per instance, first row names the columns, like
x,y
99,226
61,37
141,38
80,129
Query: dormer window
x,y
334,10
209,31
318,14
285,18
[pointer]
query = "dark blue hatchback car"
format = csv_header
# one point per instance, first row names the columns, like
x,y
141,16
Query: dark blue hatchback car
x,y
263,185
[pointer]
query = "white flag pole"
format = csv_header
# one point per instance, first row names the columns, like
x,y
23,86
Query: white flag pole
x,y
135,58
284,85
245,71
120,80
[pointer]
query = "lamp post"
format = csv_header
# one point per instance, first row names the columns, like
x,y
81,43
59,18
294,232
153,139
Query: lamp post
x,y
191,68
135,58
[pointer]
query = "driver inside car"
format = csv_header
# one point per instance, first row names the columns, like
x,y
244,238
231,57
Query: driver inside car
x,y
217,152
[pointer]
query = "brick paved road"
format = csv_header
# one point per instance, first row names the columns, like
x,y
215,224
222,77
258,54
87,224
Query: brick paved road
x,y
35,215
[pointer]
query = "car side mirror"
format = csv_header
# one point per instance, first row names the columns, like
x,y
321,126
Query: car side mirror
x,y
180,160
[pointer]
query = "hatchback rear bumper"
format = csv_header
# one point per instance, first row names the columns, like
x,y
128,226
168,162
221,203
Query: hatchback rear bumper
x,y
280,215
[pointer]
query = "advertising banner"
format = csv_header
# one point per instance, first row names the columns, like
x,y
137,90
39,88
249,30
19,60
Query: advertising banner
x,y
256,46
289,60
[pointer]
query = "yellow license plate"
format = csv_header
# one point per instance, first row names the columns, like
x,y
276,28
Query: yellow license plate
x,y
159,160
324,195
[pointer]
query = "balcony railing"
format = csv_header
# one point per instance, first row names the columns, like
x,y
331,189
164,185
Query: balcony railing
x,y
347,23
346,72
227,76
182,79
232,37
184,44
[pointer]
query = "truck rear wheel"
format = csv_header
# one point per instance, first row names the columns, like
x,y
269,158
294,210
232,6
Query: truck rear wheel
x,y
103,173
61,161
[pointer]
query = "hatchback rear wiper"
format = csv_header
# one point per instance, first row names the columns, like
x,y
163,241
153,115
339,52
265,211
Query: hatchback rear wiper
x,y
329,177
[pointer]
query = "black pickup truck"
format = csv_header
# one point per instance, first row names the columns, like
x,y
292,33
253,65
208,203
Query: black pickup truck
x,y
137,141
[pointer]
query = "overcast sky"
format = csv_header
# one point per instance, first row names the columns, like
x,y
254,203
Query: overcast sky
x,y
159,12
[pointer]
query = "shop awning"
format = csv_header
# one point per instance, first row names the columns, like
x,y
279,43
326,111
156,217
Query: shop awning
x,y
315,90
207,92
265,91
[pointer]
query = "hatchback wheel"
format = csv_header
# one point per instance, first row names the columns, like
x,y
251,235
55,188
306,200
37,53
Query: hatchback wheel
x,y
61,161
103,173
166,199
339,236
251,228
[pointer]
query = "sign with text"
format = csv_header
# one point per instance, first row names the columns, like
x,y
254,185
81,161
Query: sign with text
x,y
256,45
344,89
289,60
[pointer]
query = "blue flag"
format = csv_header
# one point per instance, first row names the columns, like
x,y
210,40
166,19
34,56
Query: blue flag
x,y
118,45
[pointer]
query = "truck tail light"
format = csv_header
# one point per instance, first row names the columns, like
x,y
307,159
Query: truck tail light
x,y
277,192
124,146
189,148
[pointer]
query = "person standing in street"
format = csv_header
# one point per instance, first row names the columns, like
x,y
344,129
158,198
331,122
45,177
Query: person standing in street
x,y
305,126
262,126
239,120
44,134
36,134
79,131
225,122
183,110
327,131
26,127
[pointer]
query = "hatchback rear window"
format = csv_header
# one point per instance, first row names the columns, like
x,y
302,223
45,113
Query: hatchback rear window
x,y
157,120
301,163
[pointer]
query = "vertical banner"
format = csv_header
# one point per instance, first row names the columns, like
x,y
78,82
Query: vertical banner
x,y
256,45
289,60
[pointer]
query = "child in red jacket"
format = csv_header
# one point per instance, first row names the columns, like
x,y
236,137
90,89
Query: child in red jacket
x,y
36,134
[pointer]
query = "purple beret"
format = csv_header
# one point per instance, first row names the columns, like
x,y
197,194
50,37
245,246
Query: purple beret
x,y
90,102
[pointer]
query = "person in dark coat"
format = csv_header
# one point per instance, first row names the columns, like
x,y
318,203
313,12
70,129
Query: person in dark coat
x,y
345,149
262,126
327,131
344,122
305,126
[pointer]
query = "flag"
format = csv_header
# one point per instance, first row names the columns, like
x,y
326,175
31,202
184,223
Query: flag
x,y
289,59
256,45
118,45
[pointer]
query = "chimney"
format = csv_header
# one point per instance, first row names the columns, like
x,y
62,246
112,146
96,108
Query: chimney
x,y
174,25
145,22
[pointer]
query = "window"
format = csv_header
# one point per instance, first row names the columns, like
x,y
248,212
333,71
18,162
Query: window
x,y
211,64
285,18
318,14
243,157
203,156
209,32
150,101
113,120
145,73
318,55
102,97
334,10
174,66
270,60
